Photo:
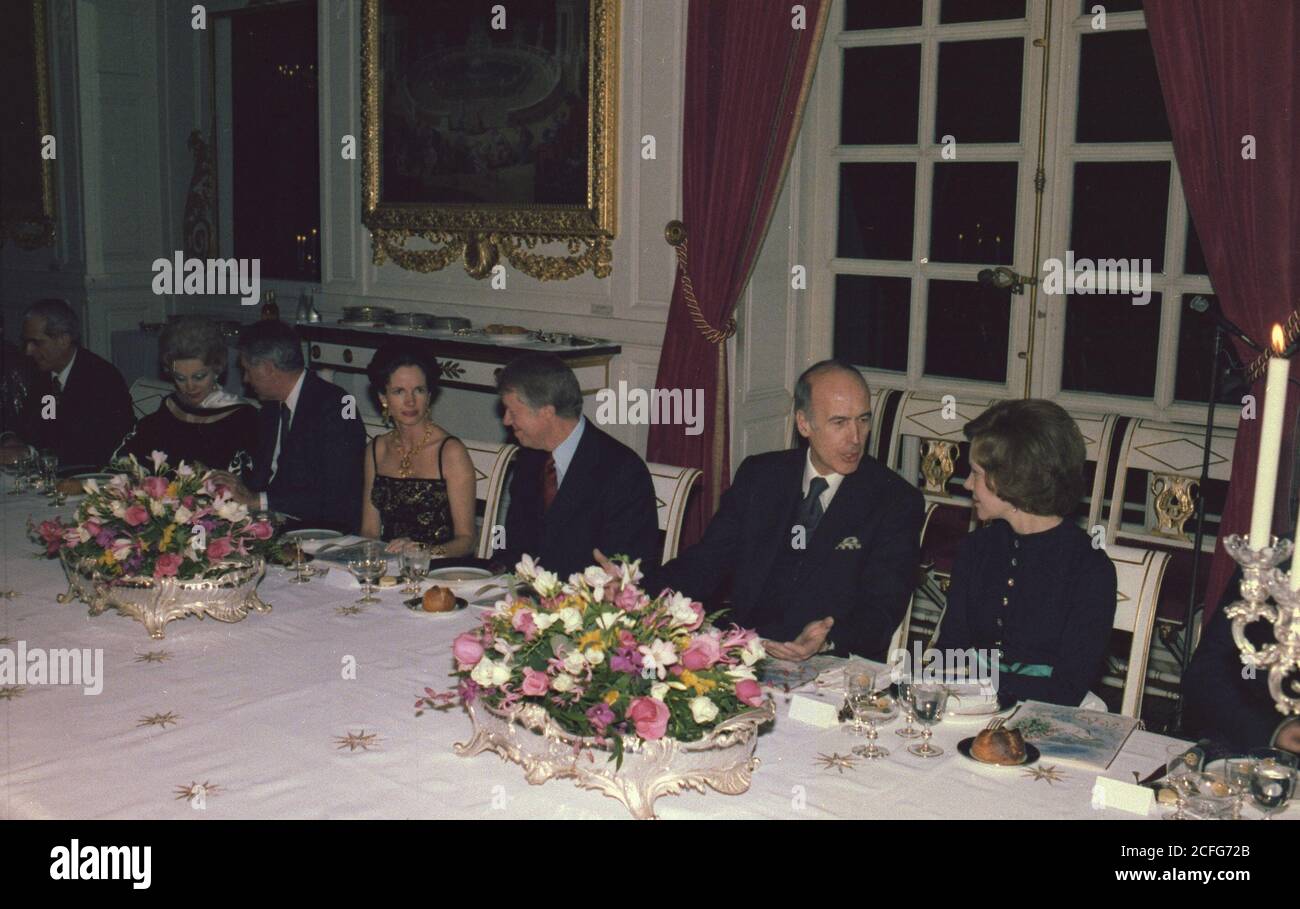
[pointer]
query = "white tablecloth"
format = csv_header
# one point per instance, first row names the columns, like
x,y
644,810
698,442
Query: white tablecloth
x,y
263,717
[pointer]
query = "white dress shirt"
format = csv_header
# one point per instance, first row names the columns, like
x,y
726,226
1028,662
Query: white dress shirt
x,y
833,481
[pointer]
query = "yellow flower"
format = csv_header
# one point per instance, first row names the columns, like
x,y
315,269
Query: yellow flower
x,y
166,540
588,639
107,558
682,641
172,489
611,697
691,680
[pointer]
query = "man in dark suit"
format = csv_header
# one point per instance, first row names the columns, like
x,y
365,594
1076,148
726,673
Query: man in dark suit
x,y
575,488
822,547
77,404
309,461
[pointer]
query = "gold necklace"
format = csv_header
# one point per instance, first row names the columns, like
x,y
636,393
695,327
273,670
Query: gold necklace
x,y
404,468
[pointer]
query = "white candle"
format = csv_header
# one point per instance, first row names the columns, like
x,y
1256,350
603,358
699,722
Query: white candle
x,y
1270,445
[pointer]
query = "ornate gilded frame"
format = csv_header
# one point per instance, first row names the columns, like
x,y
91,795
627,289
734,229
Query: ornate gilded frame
x,y
32,226
485,234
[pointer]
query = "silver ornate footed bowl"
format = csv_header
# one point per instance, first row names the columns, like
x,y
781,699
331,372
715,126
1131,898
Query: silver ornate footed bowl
x,y
723,760
226,597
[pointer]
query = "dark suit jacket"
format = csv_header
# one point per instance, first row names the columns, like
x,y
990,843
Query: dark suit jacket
x,y
91,416
865,589
319,473
605,501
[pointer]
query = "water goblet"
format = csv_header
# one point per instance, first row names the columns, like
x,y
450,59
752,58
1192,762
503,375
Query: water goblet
x,y
368,567
905,701
50,474
22,475
859,687
1272,783
928,702
415,565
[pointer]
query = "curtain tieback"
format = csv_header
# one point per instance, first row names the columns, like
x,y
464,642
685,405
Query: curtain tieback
x,y
675,234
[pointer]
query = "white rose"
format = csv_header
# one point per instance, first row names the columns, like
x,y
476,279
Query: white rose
x,y
703,709
658,690
574,663
156,508
118,509
753,652
595,656
571,618
182,515
544,620
490,674
230,510
562,683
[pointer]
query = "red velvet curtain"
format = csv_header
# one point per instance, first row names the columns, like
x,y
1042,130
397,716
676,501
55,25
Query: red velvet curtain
x,y
749,65
1230,73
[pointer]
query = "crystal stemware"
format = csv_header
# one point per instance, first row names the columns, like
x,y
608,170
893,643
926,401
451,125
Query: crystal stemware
x,y
1180,763
299,564
1272,783
415,565
369,567
928,702
859,687
905,701
880,708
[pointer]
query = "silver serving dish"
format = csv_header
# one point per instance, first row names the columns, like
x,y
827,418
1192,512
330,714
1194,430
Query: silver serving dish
x,y
366,313
449,323
413,320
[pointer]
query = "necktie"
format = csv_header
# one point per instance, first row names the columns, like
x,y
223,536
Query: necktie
x,y
550,484
58,386
286,416
810,509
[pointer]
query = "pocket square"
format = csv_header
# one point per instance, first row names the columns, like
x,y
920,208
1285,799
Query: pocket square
x,y
848,543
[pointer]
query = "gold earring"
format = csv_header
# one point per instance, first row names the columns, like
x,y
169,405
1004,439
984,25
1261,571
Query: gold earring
x,y
387,419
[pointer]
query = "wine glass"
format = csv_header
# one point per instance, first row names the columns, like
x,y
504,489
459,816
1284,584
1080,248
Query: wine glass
x,y
22,472
1180,763
1238,771
368,567
859,687
928,702
299,563
415,565
879,708
905,700
50,474
1271,786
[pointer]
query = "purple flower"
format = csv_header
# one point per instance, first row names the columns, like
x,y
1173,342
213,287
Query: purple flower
x,y
468,690
600,716
626,659
104,539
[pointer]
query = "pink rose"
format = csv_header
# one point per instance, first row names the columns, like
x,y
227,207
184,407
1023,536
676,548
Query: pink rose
x,y
523,623
650,716
261,530
467,650
167,565
219,548
535,683
702,653
748,692
630,599
136,515
626,638
155,487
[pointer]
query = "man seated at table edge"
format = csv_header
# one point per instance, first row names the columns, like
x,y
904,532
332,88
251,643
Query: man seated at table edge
x,y
814,541
313,470
599,492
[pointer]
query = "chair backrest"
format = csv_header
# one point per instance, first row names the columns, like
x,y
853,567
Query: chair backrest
x,y
672,491
1139,574
147,394
1171,454
491,461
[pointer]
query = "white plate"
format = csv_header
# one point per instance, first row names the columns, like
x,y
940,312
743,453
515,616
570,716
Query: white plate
x,y
308,535
459,575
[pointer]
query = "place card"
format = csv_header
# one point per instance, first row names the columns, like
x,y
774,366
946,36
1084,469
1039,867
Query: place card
x,y
814,712
1108,793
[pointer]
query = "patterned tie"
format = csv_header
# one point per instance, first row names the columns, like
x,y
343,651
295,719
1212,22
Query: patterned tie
x,y
810,509
550,484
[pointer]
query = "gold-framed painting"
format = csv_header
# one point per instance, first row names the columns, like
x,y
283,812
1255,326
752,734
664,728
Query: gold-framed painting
x,y
26,154
490,129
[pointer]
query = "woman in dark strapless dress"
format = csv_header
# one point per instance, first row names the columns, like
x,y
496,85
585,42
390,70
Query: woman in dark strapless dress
x,y
419,480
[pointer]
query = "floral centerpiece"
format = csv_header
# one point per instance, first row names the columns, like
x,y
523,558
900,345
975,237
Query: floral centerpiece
x,y
597,663
159,542
157,521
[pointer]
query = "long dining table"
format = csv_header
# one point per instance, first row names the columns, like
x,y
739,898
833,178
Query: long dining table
x,y
309,711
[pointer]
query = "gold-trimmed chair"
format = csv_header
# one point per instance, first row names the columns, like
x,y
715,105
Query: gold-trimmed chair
x,y
491,462
673,487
